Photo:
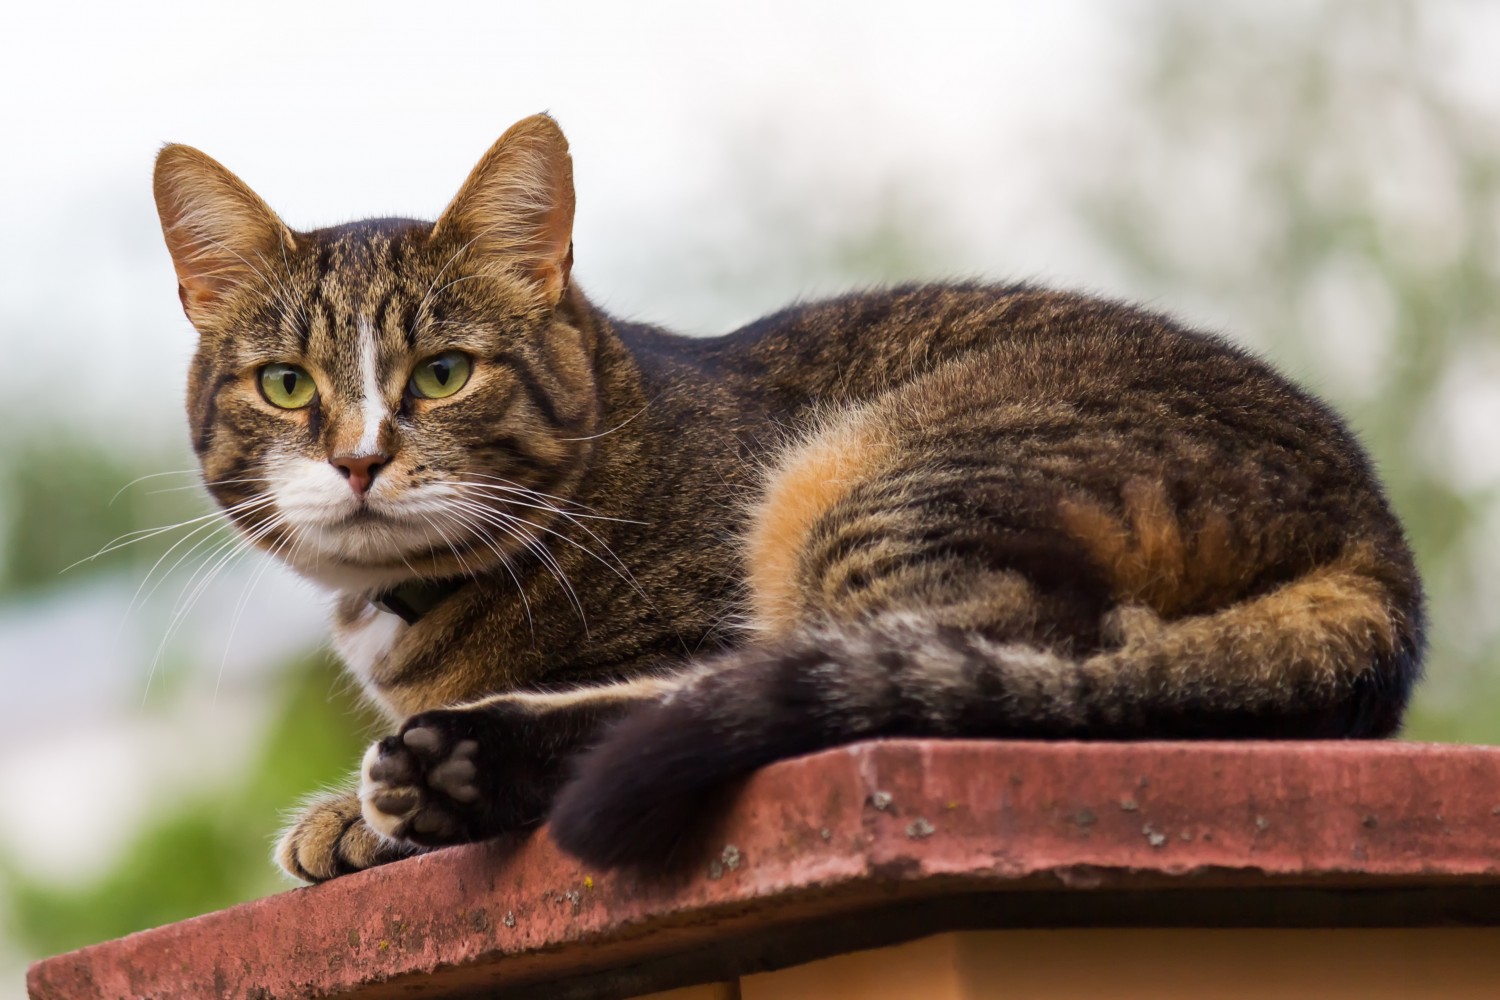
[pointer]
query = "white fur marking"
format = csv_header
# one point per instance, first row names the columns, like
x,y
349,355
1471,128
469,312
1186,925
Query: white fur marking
x,y
373,404
381,822
363,644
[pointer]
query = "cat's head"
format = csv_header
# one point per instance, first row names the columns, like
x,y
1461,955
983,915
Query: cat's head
x,y
391,398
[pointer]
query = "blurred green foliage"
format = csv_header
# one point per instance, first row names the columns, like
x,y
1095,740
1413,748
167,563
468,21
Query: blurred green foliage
x,y
213,849
64,498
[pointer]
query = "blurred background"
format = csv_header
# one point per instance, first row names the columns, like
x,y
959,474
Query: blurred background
x,y
1320,180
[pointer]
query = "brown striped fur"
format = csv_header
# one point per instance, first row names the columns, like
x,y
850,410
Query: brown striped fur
x,y
934,510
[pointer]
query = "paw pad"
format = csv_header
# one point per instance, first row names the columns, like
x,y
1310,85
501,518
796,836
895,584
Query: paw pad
x,y
414,786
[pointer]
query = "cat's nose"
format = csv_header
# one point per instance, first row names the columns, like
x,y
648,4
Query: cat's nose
x,y
360,470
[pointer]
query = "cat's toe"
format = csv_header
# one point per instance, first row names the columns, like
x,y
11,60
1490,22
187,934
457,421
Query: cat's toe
x,y
455,777
415,786
330,838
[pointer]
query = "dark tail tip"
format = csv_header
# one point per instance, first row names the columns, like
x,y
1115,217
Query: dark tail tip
x,y
646,796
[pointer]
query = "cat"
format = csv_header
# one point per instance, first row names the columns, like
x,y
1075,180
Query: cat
x,y
596,572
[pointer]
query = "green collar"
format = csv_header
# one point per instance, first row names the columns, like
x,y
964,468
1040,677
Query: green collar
x,y
411,600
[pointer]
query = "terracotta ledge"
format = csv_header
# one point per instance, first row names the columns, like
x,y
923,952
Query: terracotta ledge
x,y
871,845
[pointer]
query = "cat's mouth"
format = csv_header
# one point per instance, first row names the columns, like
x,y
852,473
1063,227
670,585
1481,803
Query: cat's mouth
x,y
382,537
367,541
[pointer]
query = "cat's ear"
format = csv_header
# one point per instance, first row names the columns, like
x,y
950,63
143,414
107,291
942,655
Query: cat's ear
x,y
515,211
219,232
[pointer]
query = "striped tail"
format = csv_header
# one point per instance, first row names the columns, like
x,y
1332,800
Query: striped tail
x,y
1328,655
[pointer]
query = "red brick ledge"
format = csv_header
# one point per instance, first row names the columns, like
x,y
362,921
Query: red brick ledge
x,y
867,845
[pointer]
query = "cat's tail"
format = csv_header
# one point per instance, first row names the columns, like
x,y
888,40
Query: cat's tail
x,y
1329,654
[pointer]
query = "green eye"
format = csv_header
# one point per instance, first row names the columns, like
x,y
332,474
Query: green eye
x,y
440,375
287,386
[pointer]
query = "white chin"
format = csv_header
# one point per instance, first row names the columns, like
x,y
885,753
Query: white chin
x,y
335,546
363,555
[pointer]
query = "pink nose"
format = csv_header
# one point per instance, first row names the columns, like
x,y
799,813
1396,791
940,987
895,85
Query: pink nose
x,y
360,470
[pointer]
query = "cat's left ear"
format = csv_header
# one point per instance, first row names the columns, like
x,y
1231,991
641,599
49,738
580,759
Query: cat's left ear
x,y
515,212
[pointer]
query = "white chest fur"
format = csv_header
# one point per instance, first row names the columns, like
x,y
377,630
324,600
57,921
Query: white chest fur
x,y
364,643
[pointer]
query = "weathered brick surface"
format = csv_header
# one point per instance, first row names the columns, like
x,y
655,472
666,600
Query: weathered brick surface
x,y
843,845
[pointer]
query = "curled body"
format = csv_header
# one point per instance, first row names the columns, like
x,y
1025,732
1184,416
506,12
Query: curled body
x,y
596,572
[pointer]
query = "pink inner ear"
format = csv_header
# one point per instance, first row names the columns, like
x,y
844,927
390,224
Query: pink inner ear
x,y
215,227
517,204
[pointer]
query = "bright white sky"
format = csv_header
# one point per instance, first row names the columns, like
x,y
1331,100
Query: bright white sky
x,y
340,110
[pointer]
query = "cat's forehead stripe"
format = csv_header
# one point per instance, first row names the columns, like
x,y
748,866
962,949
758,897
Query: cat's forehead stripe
x,y
372,404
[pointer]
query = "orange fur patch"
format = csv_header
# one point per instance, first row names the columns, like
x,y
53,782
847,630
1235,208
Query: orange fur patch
x,y
1150,557
1315,633
810,480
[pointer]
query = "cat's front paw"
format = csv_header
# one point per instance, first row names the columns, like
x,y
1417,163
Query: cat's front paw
x,y
330,838
458,775
417,785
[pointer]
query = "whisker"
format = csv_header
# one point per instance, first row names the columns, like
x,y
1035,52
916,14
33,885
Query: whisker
x,y
618,568
504,563
225,545
199,486
205,540
595,437
542,506
141,534
416,315
142,479
239,610
533,492
532,545
213,563
213,529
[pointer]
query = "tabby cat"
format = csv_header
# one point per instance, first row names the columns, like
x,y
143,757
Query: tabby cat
x,y
594,571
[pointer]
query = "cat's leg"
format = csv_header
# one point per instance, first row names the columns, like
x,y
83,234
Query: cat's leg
x,y
330,838
490,766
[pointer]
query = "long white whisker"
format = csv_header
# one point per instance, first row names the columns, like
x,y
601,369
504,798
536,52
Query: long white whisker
x,y
186,601
213,529
279,292
137,600
141,534
618,567
142,479
540,506
595,437
199,486
532,545
225,545
500,555
427,295
239,611
218,519
533,492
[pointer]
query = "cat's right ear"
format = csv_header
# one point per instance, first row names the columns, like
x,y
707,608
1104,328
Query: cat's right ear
x,y
219,232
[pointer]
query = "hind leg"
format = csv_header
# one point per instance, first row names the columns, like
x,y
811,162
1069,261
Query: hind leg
x,y
870,516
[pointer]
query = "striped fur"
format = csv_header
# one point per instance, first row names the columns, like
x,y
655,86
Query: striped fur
x,y
938,510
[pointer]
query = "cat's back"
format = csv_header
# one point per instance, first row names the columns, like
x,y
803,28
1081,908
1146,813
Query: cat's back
x,y
1059,343
1039,413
